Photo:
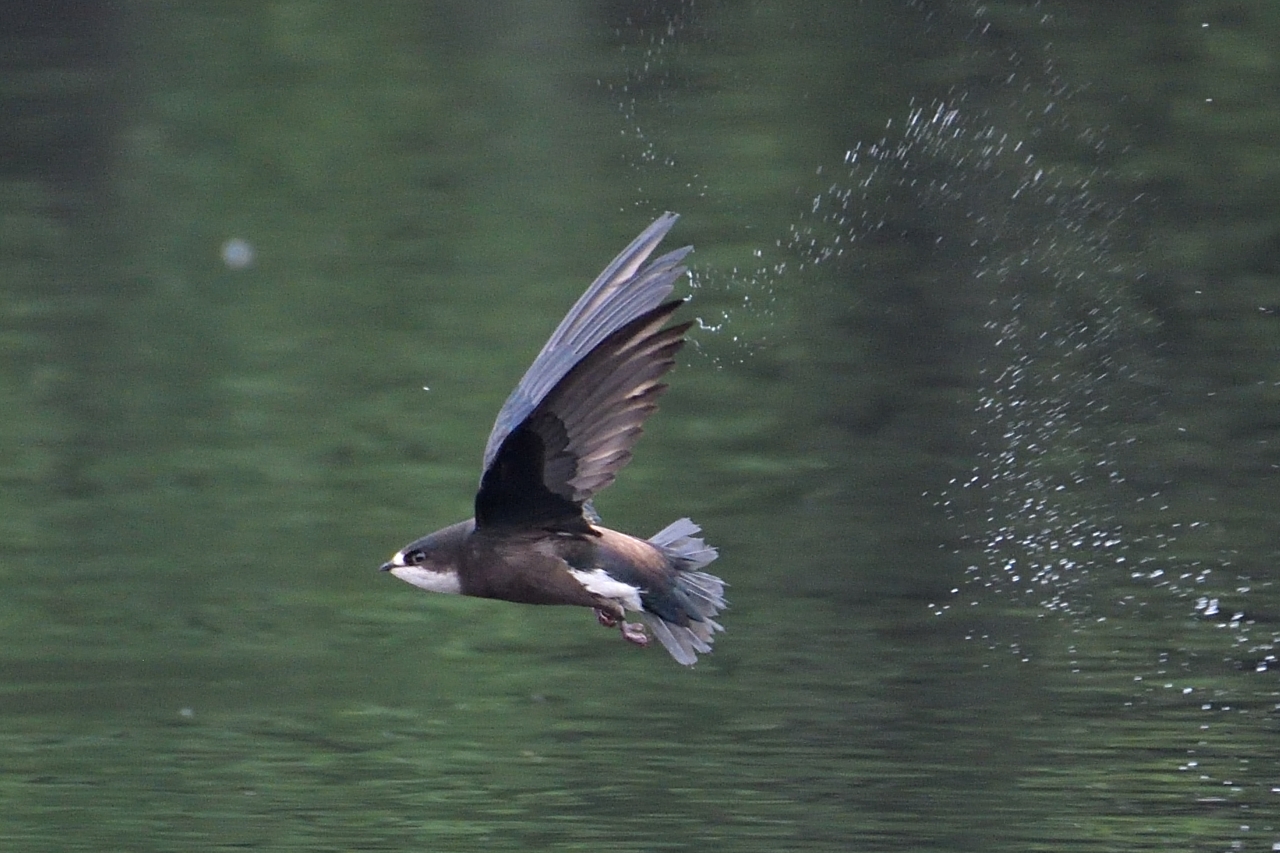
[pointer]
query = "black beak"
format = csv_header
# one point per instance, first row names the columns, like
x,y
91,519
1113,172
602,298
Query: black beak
x,y
386,567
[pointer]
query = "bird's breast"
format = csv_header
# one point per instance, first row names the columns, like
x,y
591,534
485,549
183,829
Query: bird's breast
x,y
523,567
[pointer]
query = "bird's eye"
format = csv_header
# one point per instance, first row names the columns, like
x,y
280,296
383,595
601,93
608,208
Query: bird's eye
x,y
416,558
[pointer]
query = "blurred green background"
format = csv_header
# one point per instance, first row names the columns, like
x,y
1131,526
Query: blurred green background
x,y
983,412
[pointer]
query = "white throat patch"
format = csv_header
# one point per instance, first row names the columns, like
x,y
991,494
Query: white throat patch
x,y
601,583
446,582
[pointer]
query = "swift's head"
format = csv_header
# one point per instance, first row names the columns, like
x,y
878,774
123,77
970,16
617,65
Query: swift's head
x,y
431,563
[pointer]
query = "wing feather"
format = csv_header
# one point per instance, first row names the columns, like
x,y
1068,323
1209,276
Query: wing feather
x,y
626,289
579,436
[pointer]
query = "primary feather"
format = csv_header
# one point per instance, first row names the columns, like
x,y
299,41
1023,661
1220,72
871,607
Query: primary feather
x,y
621,293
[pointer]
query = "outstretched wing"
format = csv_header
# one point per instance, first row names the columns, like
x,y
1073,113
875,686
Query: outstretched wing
x,y
620,294
576,440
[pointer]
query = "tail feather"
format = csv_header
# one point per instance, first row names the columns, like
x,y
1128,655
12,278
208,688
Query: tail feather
x,y
678,540
706,591
701,592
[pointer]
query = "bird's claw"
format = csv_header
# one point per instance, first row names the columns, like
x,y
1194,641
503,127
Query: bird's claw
x,y
633,632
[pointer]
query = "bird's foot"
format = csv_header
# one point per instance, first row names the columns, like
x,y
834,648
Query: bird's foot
x,y
633,632
607,618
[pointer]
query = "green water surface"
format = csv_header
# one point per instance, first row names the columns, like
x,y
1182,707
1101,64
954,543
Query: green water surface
x,y
982,411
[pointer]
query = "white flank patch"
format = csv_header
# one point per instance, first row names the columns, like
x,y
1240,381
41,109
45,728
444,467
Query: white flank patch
x,y
446,582
601,583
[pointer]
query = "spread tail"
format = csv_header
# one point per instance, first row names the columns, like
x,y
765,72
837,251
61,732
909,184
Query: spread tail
x,y
686,624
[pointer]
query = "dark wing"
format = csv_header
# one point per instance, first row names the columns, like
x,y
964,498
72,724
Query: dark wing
x,y
574,442
619,295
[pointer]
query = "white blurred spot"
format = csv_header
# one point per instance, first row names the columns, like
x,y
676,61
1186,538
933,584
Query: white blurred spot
x,y
237,254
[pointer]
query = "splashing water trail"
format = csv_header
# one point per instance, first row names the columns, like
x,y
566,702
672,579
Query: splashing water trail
x,y
1026,249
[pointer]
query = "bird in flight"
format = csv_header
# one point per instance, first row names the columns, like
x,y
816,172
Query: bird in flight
x,y
562,436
